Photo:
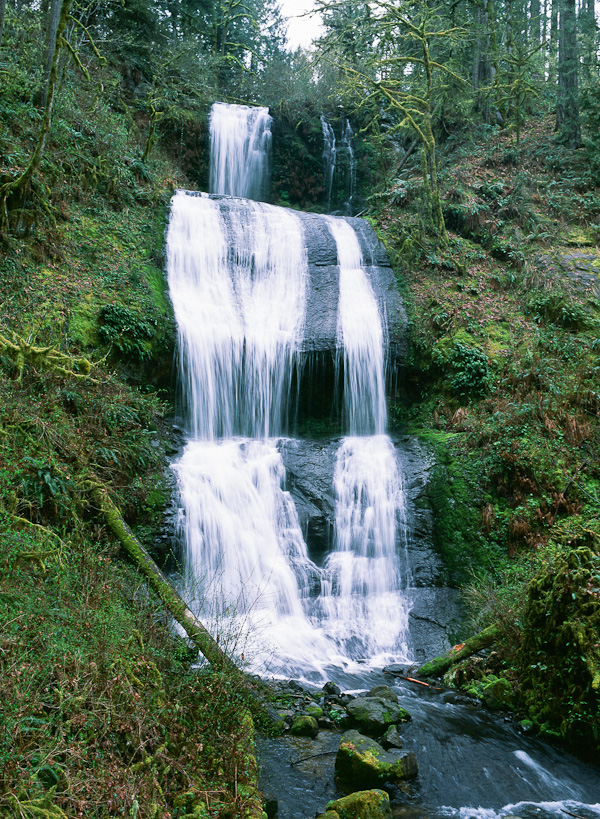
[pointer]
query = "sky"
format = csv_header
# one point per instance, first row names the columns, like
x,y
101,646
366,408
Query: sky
x,y
301,30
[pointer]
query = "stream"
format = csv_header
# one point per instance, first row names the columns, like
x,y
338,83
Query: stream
x,y
312,558
472,763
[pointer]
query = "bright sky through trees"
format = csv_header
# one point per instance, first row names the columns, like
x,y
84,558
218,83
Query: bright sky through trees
x,y
301,30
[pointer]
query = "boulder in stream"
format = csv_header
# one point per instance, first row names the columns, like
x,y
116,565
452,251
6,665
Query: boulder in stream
x,y
375,714
305,726
373,804
384,692
392,738
361,762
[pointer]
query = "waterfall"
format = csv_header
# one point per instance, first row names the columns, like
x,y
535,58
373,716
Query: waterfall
x,y
239,282
329,157
240,139
360,335
339,162
237,278
347,151
367,571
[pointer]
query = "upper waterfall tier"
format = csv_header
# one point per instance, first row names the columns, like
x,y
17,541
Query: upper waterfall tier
x,y
323,289
240,151
256,289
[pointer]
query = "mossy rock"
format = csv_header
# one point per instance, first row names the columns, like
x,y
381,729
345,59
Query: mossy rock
x,y
362,762
497,693
314,711
383,692
374,714
305,726
372,804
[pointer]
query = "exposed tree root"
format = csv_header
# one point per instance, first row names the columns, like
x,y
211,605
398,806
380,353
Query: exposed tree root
x,y
439,665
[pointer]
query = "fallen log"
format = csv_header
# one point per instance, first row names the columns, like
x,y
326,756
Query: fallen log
x,y
439,665
174,603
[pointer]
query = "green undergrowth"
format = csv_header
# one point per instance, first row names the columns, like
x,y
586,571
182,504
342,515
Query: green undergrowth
x,y
503,367
101,713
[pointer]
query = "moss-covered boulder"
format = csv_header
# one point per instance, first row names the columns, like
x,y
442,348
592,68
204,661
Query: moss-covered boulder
x,y
559,657
373,804
374,714
497,692
305,726
363,763
383,692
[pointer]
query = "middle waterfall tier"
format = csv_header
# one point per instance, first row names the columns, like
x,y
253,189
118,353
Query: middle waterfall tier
x,y
259,294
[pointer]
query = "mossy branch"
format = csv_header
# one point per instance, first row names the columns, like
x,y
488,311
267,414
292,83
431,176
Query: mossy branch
x,y
48,358
175,604
439,665
76,58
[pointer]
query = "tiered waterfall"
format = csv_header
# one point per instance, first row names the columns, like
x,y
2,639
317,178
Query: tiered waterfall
x,y
242,285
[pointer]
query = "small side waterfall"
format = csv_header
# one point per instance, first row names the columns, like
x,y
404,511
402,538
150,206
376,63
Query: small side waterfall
x,y
240,139
339,163
347,151
329,157
240,284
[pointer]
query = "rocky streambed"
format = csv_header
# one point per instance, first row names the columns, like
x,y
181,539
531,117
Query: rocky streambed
x,y
345,745
407,750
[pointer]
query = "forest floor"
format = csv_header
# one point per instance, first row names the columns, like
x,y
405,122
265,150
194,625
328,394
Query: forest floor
x,y
503,378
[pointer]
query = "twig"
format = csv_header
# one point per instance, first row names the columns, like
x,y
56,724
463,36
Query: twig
x,y
312,756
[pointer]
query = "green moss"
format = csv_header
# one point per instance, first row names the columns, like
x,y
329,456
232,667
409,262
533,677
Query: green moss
x,y
559,658
578,236
83,327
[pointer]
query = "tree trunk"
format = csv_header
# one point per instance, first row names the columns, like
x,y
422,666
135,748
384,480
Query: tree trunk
x,y
588,28
567,104
19,185
52,24
439,666
174,603
2,11
535,10
553,45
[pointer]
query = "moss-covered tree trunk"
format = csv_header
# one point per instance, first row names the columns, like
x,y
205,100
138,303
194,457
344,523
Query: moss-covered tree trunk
x,y
439,666
17,188
174,603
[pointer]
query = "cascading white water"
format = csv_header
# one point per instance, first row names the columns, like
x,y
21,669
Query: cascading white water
x,y
329,157
360,336
240,150
238,278
366,572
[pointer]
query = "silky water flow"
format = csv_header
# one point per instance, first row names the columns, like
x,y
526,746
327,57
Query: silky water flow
x,y
238,279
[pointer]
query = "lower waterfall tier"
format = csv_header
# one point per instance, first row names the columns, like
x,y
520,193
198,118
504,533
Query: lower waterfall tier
x,y
309,569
